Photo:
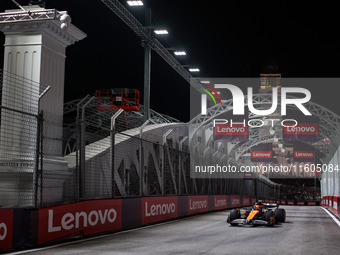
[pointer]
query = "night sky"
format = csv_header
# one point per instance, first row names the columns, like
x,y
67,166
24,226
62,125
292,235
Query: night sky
x,y
236,39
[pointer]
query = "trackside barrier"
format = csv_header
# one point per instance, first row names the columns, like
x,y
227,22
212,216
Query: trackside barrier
x,y
198,204
23,228
300,203
335,205
312,203
246,200
220,202
327,201
156,209
87,218
26,228
235,201
331,203
292,202
6,229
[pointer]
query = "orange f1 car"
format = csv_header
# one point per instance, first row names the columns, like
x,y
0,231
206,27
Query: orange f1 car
x,y
258,214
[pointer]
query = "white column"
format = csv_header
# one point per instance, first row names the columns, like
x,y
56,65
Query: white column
x,y
34,50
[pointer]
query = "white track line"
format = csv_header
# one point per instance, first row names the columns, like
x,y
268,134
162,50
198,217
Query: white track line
x,y
332,216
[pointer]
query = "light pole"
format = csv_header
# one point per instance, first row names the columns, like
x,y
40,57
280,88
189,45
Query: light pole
x,y
147,66
147,44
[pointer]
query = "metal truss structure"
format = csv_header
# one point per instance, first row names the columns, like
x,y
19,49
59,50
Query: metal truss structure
x,y
155,117
329,126
39,15
143,32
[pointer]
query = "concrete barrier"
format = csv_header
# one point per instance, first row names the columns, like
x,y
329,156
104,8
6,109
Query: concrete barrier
x,y
331,203
6,229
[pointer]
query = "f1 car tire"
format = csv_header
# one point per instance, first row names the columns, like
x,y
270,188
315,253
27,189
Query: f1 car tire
x,y
234,214
280,215
270,218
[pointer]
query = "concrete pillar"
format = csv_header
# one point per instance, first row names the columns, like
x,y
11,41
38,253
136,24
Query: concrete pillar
x,y
34,58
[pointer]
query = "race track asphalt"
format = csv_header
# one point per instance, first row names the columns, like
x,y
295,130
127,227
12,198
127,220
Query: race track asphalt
x,y
307,230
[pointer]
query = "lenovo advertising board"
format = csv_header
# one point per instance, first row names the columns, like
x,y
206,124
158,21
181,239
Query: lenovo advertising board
x,y
306,128
335,205
198,204
235,201
220,202
155,209
6,229
89,217
245,201
262,153
228,128
303,152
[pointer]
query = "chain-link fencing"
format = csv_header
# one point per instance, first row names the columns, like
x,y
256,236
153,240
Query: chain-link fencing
x,y
95,153
20,135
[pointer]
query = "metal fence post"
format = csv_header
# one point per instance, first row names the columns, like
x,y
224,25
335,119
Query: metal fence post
x,y
41,119
141,158
78,150
82,147
38,155
113,130
180,171
167,133
37,173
